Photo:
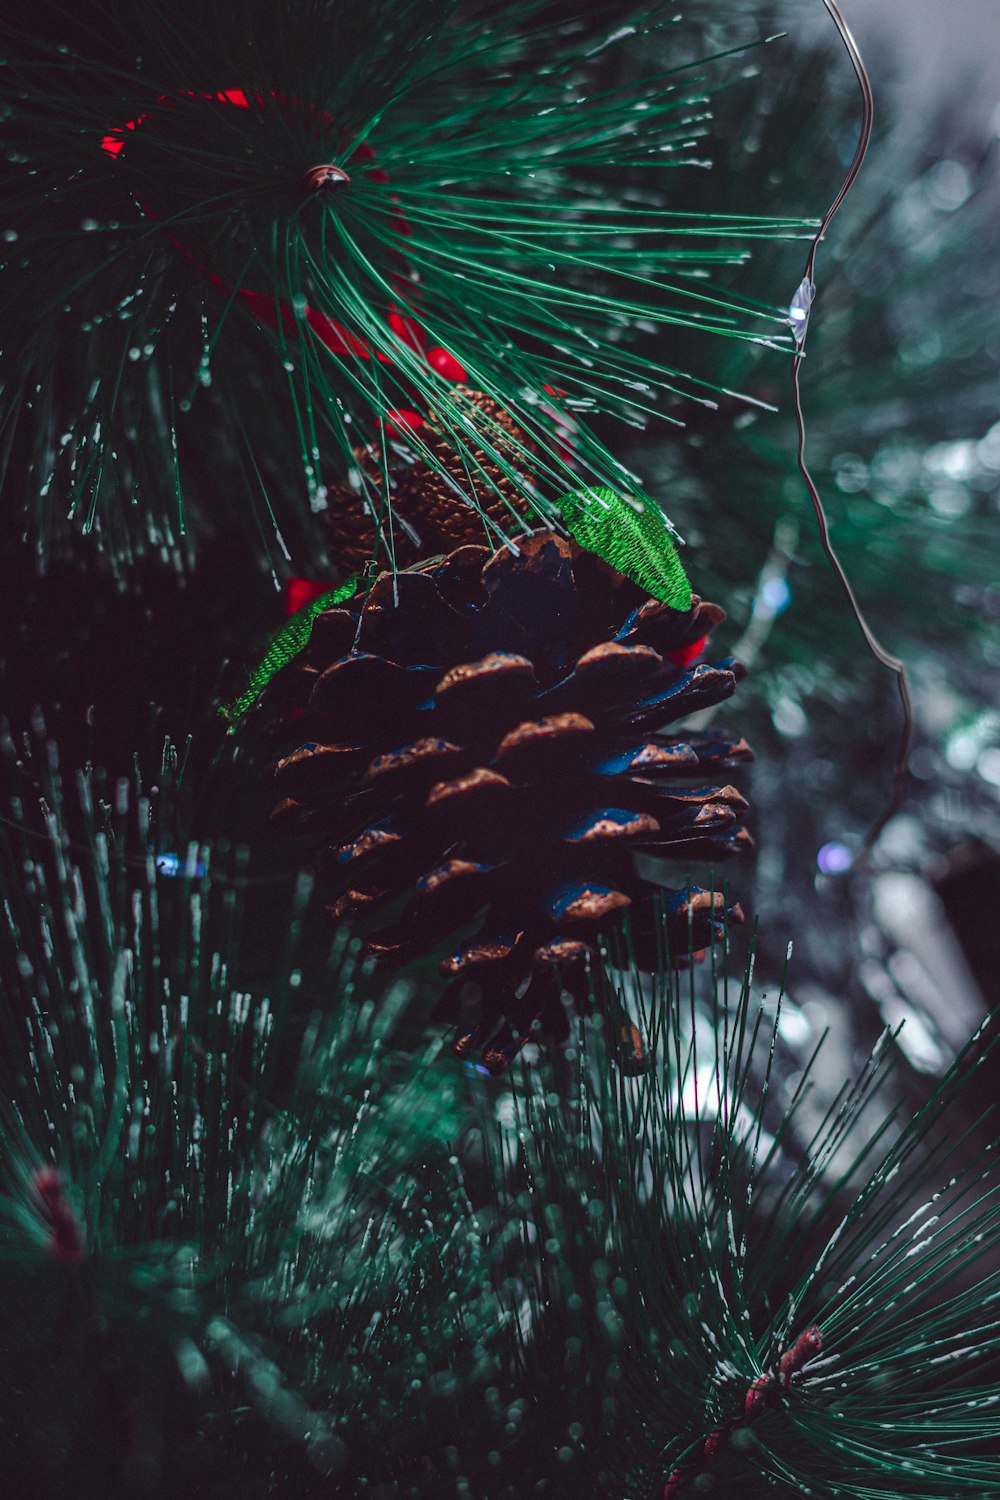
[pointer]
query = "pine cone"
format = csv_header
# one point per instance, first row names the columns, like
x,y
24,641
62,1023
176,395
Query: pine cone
x,y
431,501
479,752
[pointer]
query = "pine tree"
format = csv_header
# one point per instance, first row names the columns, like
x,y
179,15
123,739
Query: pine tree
x,y
261,1233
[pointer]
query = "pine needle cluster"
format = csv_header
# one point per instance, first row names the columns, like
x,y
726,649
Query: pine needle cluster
x,y
206,322
745,1299
251,1246
232,1242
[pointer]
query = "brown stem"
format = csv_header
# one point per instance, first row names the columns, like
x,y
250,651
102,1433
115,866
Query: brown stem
x,y
65,1240
761,1393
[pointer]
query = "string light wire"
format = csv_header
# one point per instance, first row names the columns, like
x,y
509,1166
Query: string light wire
x,y
799,320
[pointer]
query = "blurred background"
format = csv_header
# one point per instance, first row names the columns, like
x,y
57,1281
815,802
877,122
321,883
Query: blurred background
x,y
901,398
935,50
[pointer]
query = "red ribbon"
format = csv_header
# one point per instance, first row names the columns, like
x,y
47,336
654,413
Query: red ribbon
x,y
65,1239
337,338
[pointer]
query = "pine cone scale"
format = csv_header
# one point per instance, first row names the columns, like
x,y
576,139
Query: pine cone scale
x,y
361,690
702,688
709,750
717,845
500,677
535,745
606,674
417,764
648,758
606,825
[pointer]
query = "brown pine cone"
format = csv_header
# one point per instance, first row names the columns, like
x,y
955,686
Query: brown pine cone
x,y
480,750
434,508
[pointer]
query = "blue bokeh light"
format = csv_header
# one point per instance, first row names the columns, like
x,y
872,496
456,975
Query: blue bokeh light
x,y
834,859
171,865
775,595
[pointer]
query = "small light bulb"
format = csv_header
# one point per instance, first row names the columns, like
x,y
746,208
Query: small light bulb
x,y
798,311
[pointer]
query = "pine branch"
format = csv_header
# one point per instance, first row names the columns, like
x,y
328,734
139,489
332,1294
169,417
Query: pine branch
x,y
229,1229
382,205
727,1297
229,1201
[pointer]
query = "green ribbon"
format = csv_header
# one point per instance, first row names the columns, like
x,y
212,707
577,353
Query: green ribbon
x,y
289,641
630,533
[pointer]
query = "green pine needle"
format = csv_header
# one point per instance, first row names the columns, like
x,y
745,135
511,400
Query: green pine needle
x,y
630,533
284,647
